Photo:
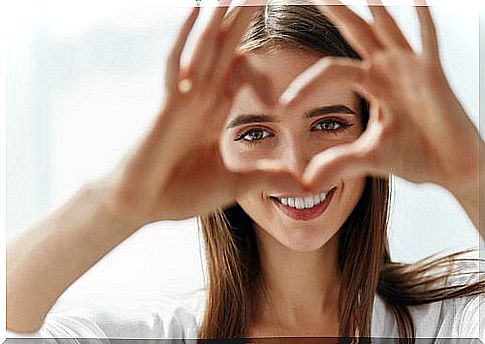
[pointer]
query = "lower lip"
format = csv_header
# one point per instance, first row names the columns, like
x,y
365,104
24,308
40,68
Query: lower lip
x,y
305,214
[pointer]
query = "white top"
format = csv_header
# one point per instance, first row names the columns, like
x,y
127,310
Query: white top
x,y
181,317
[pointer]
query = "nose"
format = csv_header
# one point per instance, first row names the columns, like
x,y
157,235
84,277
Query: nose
x,y
296,156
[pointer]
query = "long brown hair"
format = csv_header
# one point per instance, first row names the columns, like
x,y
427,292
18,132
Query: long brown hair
x,y
364,255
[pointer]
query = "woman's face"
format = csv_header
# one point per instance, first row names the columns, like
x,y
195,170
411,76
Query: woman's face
x,y
330,116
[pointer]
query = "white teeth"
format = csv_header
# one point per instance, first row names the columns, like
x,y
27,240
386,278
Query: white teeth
x,y
316,199
322,196
301,203
308,202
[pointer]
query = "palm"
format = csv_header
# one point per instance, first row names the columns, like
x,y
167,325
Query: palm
x,y
176,171
417,128
198,183
419,115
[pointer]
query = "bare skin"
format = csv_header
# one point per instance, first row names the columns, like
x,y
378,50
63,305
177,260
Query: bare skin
x,y
418,130
298,258
416,126
156,179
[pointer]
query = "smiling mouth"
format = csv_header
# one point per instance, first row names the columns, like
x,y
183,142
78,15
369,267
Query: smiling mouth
x,y
304,208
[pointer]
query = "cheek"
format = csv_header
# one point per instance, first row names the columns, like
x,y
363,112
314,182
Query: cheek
x,y
253,204
260,210
263,213
239,156
351,193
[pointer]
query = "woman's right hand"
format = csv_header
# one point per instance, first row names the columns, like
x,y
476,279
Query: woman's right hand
x,y
176,171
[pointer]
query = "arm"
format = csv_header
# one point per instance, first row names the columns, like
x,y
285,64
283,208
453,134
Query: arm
x,y
180,153
469,193
417,129
44,260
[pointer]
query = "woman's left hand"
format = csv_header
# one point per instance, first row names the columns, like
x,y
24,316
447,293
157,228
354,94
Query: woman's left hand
x,y
417,128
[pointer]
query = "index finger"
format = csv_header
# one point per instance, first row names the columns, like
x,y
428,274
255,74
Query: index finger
x,y
173,61
235,29
328,70
357,31
429,37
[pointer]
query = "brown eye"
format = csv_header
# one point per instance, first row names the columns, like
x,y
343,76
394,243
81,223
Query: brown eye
x,y
331,126
257,134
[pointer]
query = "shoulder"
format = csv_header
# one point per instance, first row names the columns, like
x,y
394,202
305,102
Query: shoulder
x,y
168,317
456,317
472,320
452,318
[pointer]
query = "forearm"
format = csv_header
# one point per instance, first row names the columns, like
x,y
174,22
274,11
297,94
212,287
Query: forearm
x,y
48,257
470,203
470,191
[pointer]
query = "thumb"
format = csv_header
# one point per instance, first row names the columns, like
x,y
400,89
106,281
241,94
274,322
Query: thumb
x,y
337,163
268,176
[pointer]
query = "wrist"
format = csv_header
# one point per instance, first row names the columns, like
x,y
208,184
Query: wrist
x,y
109,211
468,189
465,177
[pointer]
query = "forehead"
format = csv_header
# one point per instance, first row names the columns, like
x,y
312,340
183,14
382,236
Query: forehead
x,y
282,67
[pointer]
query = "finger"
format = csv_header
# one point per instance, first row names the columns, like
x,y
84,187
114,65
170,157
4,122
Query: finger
x,y
173,61
327,71
205,49
270,176
238,25
338,163
232,37
245,74
429,38
230,16
386,28
355,29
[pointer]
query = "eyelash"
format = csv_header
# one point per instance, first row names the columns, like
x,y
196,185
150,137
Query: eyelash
x,y
343,126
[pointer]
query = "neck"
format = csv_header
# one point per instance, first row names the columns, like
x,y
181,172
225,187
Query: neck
x,y
299,288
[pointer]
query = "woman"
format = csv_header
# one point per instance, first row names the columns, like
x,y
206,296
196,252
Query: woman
x,y
291,182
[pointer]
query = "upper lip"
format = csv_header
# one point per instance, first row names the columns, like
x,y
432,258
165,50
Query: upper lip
x,y
302,196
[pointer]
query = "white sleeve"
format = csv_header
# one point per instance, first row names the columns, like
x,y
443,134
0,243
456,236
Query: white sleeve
x,y
99,323
472,322
71,324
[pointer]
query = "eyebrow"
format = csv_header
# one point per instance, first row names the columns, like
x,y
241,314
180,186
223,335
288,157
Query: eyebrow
x,y
319,111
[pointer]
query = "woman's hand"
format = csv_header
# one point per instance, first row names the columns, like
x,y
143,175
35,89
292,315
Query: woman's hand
x,y
176,171
417,128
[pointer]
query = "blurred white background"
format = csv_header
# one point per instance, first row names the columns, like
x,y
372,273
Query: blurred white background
x,y
84,79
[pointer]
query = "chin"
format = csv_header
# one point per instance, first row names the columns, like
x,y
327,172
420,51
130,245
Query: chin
x,y
305,238
303,222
